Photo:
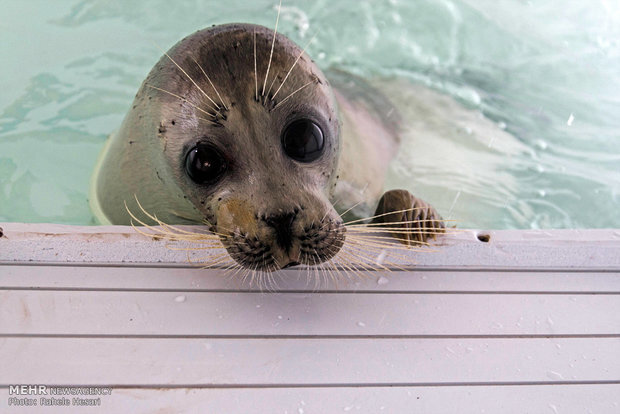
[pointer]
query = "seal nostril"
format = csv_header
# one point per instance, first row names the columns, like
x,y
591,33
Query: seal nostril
x,y
282,224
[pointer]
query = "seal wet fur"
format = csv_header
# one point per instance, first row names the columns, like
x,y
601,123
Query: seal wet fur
x,y
236,127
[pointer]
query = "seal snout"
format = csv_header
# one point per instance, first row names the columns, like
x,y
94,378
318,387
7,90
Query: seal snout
x,y
283,227
280,238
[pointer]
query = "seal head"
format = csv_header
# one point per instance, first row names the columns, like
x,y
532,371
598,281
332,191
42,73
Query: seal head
x,y
234,127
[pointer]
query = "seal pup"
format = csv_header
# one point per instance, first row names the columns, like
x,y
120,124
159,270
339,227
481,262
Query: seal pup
x,y
237,128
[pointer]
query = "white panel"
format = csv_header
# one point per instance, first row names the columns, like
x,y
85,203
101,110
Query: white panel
x,y
305,361
199,313
564,399
89,277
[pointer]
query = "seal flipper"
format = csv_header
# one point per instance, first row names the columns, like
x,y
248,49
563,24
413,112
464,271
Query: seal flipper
x,y
414,221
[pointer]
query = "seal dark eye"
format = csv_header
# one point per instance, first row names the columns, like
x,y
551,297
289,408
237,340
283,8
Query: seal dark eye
x,y
204,164
302,140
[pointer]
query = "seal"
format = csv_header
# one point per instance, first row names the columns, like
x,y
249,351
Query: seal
x,y
237,128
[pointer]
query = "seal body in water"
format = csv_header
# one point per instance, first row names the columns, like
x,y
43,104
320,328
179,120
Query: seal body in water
x,y
237,128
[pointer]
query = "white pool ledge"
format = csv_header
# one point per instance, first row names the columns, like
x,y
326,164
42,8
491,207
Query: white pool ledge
x,y
524,249
528,321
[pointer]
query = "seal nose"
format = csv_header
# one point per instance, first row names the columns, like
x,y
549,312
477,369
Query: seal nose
x,y
283,225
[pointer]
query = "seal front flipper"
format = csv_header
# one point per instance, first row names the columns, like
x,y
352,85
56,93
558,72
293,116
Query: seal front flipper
x,y
414,221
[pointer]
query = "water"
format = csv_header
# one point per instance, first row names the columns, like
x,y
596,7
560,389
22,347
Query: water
x,y
545,72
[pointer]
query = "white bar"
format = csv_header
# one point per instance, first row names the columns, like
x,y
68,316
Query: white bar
x,y
532,249
565,399
235,362
179,279
198,313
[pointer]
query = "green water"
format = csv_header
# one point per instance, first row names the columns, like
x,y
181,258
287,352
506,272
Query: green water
x,y
547,72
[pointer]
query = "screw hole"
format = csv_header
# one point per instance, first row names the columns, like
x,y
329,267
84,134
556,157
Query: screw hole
x,y
485,238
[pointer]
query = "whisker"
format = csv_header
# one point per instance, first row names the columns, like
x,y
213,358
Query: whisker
x,y
291,69
362,251
349,226
394,248
388,239
211,83
191,249
255,71
343,260
273,42
359,264
208,120
321,269
293,93
397,230
381,245
217,107
170,230
271,85
370,261
181,98
385,214
349,209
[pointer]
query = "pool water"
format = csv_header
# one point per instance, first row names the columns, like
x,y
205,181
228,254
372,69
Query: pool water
x,y
546,74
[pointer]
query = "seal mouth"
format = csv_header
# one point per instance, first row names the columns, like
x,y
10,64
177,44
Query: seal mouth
x,y
314,245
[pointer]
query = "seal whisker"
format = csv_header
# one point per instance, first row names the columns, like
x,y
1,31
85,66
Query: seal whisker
x,y
182,99
352,263
191,249
217,259
319,269
245,274
351,208
380,246
377,236
161,232
217,107
205,264
379,250
387,214
272,285
229,269
208,120
292,67
396,243
171,230
271,85
292,93
363,260
342,261
273,42
217,265
361,253
399,230
330,271
363,225
211,83
255,71
336,262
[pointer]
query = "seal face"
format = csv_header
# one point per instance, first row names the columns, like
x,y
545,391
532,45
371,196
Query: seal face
x,y
234,127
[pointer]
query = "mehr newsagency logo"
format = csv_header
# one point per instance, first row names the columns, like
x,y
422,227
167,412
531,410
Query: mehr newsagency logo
x,y
44,395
